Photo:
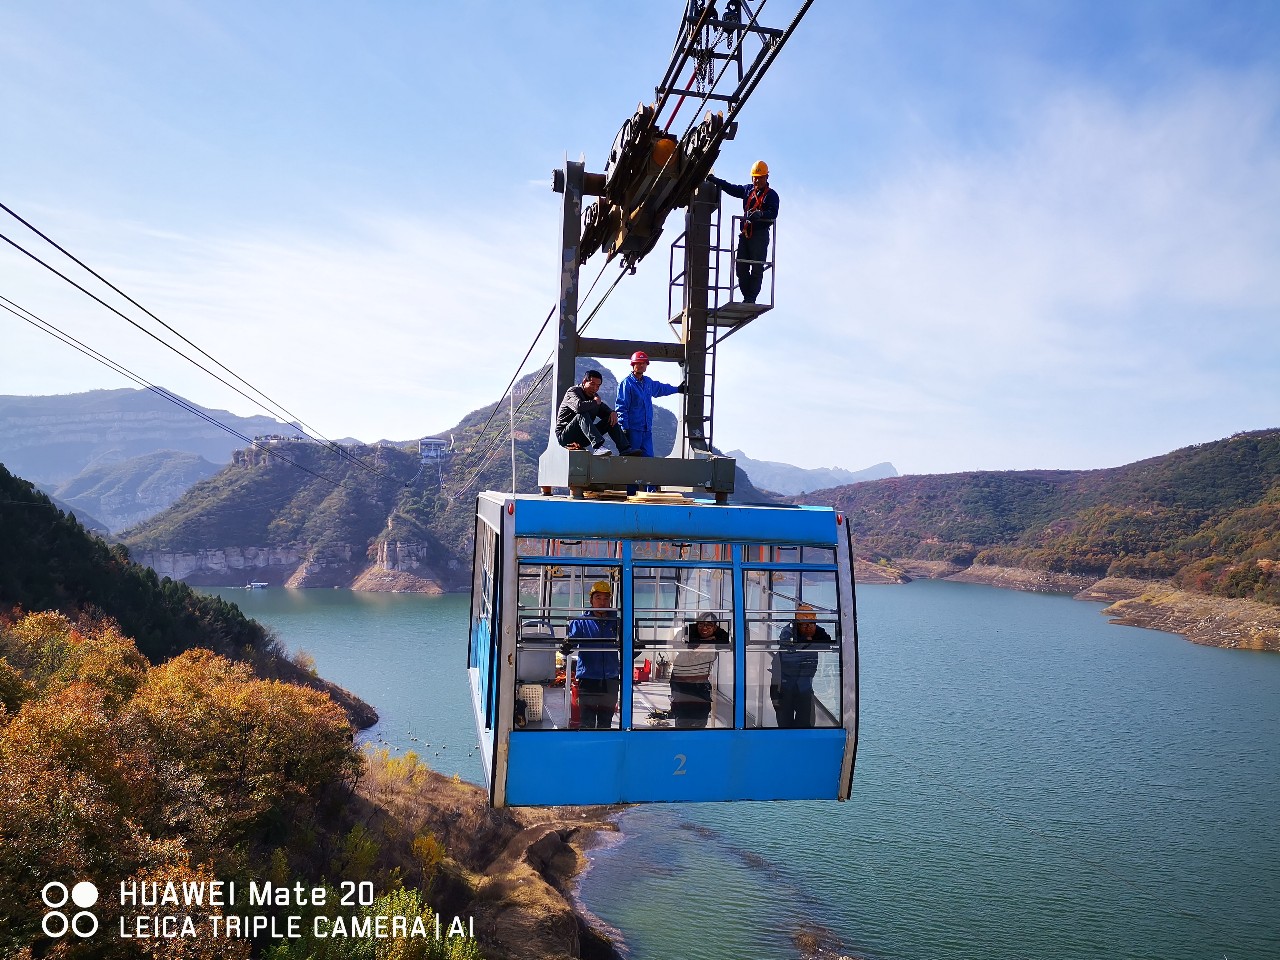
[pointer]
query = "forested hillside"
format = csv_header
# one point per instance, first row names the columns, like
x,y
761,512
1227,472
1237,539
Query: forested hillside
x,y
125,493
322,499
48,562
1206,516
184,766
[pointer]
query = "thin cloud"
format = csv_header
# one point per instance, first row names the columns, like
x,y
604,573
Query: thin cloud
x,y
1101,258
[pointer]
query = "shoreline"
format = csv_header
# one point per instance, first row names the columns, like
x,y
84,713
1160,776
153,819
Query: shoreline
x,y
1227,623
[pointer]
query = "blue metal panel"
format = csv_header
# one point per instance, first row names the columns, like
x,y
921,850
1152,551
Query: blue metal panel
x,y
590,767
552,517
575,768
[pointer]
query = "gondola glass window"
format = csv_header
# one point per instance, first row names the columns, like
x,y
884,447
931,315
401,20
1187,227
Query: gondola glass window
x,y
568,639
682,629
792,621
484,615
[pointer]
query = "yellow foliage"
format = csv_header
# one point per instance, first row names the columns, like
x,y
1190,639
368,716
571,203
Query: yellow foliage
x,y
51,652
257,744
429,853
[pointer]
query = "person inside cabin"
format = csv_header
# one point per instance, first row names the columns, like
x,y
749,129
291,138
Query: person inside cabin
x,y
635,403
759,211
691,669
794,667
598,672
584,418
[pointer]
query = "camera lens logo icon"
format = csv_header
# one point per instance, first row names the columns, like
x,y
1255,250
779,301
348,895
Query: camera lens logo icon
x,y
56,922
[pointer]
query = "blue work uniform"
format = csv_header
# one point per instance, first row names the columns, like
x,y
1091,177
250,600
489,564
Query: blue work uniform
x,y
598,672
635,409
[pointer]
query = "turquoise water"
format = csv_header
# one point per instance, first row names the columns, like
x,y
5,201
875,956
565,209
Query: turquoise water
x,y
1032,782
405,654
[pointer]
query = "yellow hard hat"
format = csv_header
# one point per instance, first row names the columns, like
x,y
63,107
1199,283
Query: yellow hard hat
x,y
805,612
759,169
601,586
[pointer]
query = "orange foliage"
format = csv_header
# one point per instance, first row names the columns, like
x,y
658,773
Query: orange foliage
x,y
113,770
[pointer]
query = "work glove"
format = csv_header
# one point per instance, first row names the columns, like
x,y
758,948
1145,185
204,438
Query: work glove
x,y
683,388
746,229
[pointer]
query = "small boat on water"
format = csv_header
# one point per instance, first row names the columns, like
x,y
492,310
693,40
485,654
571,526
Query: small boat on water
x,y
256,585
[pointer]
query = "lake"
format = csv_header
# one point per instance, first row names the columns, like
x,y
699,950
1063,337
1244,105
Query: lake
x,y
1032,782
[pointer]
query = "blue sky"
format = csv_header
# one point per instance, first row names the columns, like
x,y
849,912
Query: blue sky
x,y
1013,235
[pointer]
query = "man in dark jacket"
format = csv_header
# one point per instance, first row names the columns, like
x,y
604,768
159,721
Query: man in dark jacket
x,y
583,418
794,667
759,211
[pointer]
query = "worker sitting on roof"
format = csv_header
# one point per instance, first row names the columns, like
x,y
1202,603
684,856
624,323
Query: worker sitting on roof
x,y
584,418
759,211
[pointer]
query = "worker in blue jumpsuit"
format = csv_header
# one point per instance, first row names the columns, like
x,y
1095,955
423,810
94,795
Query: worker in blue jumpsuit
x,y
598,672
635,403
759,211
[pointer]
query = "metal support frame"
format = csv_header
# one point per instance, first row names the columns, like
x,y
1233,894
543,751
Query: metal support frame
x,y
694,467
693,437
553,465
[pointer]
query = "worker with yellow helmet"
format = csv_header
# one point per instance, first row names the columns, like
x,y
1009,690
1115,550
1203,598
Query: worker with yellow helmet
x,y
598,674
759,211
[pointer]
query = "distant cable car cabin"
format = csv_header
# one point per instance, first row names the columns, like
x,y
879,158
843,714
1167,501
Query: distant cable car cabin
x,y
660,647
432,449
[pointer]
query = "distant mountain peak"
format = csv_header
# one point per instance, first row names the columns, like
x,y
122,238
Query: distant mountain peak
x,y
788,479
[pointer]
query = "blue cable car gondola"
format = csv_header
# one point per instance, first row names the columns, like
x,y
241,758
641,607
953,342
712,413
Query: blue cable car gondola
x,y
680,650
580,701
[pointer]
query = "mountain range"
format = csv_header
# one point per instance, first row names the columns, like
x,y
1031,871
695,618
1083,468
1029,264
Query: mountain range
x,y
118,456
787,479
369,516
1205,518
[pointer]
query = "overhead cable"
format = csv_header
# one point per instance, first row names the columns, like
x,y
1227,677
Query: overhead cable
x,y
271,407
24,314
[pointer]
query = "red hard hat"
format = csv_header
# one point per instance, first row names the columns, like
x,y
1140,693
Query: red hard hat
x,y
639,357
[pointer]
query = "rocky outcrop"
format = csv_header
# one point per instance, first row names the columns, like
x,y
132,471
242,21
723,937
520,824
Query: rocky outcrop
x,y
376,579
225,566
930,569
1213,621
398,567
332,566
879,571
1019,578
420,561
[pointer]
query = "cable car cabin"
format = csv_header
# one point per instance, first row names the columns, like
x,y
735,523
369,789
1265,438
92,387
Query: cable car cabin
x,y
629,652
